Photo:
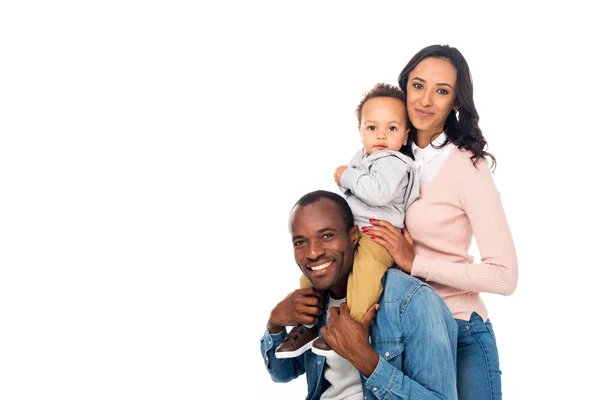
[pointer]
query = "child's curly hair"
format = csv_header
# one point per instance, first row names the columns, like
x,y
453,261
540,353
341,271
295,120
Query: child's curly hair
x,y
380,90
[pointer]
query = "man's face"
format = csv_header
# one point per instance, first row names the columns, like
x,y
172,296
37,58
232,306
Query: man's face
x,y
323,246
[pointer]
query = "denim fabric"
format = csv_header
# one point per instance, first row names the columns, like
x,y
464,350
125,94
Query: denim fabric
x,y
478,366
414,334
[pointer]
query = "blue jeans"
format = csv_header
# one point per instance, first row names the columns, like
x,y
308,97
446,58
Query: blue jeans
x,y
477,363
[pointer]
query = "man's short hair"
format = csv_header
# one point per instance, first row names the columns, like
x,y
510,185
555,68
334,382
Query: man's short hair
x,y
313,197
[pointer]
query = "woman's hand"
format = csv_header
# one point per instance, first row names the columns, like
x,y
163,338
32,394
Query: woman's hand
x,y
399,245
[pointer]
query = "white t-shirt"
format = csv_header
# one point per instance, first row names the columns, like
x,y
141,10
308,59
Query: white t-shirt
x,y
340,373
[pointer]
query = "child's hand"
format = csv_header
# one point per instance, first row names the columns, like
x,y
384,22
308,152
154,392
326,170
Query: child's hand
x,y
337,176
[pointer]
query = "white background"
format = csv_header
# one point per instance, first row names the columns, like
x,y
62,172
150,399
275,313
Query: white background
x,y
150,153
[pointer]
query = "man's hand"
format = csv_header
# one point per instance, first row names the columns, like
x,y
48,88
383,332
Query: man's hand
x,y
337,175
350,338
302,306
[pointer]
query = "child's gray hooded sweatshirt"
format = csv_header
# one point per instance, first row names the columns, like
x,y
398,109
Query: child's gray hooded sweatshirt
x,y
380,186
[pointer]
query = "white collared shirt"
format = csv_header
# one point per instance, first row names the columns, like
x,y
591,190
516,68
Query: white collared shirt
x,y
429,159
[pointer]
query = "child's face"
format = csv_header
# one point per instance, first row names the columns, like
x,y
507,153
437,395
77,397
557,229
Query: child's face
x,y
383,124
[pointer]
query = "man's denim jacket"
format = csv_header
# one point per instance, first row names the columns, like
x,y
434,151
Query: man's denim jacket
x,y
414,334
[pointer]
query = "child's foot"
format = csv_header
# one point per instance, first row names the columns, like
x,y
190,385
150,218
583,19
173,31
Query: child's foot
x,y
321,347
296,342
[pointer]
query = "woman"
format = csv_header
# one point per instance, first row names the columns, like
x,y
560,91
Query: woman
x,y
458,201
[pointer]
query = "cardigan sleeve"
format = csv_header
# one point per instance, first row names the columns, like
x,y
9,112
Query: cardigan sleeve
x,y
498,271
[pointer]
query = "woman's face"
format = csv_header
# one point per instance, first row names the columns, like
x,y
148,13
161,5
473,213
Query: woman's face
x,y
431,94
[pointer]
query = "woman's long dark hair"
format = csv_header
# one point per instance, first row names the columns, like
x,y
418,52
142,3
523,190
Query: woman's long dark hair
x,y
462,127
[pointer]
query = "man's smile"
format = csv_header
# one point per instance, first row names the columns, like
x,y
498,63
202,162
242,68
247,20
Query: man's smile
x,y
319,269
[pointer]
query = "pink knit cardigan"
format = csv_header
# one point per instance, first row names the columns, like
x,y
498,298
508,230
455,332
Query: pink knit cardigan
x,y
461,202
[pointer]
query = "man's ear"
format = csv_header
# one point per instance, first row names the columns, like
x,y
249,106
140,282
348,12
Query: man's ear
x,y
354,234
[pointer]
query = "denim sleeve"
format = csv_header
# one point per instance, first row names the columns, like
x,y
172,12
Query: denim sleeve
x,y
280,369
429,356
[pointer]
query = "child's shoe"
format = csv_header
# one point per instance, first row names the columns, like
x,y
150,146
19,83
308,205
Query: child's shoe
x,y
296,342
320,347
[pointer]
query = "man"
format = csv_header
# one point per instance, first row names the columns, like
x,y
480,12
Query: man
x,y
405,346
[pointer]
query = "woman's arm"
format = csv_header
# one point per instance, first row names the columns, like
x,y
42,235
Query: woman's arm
x,y
498,270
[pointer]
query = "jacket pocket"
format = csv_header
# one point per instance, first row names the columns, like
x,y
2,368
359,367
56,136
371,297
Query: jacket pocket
x,y
388,349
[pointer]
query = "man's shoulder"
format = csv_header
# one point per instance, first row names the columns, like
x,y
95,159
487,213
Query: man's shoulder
x,y
399,284
411,295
